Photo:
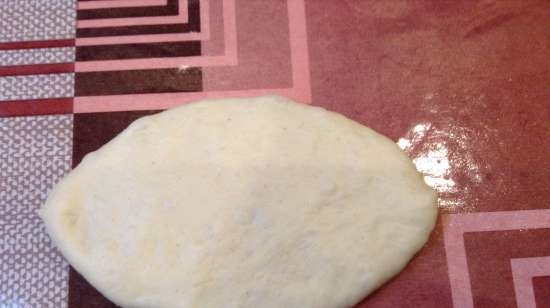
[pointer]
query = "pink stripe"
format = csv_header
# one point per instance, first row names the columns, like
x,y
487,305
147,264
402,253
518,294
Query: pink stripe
x,y
230,57
144,38
152,63
457,224
163,100
204,6
523,271
499,221
299,49
154,38
457,266
90,5
230,31
137,21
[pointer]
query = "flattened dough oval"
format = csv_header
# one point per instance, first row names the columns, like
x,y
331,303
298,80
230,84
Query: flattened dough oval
x,y
258,202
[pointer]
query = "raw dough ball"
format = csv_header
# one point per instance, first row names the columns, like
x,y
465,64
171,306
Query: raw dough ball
x,y
258,202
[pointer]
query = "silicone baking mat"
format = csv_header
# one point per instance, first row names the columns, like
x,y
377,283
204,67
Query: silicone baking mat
x,y
462,86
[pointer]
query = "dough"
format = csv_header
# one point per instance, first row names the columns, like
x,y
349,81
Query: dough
x,y
258,202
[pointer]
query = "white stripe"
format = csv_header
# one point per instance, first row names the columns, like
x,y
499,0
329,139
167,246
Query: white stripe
x,y
36,86
37,56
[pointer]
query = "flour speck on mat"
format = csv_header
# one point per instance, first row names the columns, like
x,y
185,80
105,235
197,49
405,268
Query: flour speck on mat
x,y
258,202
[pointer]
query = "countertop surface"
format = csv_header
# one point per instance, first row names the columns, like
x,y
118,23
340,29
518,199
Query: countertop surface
x,y
462,86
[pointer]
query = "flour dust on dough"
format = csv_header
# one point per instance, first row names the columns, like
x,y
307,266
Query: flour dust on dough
x,y
258,202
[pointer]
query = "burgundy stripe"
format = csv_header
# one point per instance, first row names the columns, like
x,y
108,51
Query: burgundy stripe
x,y
36,107
82,294
37,44
170,9
193,25
489,255
541,286
138,81
133,51
35,69
90,132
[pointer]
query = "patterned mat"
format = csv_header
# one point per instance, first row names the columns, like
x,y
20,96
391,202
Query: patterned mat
x,y
461,86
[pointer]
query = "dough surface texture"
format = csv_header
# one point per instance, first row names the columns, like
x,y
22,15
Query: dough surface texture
x,y
258,202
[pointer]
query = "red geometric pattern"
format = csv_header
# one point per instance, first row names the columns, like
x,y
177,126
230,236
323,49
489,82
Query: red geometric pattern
x,y
461,86
497,249
115,43
213,33
527,272
541,285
